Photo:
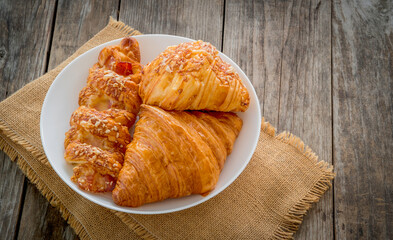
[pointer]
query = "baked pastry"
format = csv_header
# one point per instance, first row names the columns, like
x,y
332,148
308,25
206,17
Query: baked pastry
x,y
192,76
175,154
109,104
123,59
106,89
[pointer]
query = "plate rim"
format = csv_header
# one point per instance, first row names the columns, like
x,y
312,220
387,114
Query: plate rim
x,y
130,209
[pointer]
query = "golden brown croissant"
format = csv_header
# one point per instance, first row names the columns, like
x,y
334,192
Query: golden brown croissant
x,y
99,130
175,154
191,76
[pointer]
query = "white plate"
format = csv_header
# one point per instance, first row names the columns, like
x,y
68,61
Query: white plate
x,y
62,99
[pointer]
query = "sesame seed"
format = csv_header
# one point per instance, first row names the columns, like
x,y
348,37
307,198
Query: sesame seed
x,y
108,131
117,135
168,69
108,75
164,60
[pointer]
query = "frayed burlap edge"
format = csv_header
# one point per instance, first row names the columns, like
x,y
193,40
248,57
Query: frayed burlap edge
x,y
14,137
34,178
40,155
288,227
37,153
123,27
293,218
135,226
295,215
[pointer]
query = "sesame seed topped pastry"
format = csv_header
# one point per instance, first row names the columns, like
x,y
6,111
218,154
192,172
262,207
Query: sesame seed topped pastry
x,y
109,104
192,76
107,89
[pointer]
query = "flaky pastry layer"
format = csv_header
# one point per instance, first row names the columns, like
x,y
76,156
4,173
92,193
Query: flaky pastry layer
x,y
192,76
175,154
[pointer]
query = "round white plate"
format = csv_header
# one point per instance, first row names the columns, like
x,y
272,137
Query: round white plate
x,y
62,100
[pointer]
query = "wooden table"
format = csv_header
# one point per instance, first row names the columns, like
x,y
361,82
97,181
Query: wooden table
x,y
322,70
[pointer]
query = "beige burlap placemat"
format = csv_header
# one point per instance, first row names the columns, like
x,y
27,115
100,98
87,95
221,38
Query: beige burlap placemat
x,y
267,201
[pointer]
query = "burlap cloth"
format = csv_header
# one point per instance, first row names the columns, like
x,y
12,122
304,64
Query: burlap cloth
x,y
267,201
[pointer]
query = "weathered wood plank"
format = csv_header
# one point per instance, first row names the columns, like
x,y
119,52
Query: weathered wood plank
x,y
11,188
24,37
363,118
40,221
284,47
253,38
51,224
194,19
76,22
305,96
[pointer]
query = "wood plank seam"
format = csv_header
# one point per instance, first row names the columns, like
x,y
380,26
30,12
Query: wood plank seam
x,y
223,25
49,47
332,115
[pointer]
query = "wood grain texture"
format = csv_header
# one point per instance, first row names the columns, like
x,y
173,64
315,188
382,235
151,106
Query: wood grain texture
x,y
194,19
363,118
11,189
253,38
26,27
42,221
76,22
24,36
284,48
305,96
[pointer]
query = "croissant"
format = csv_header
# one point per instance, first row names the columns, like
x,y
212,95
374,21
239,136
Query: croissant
x,y
191,76
109,104
175,154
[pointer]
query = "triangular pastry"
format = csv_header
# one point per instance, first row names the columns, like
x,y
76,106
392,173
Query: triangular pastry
x,y
192,76
175,154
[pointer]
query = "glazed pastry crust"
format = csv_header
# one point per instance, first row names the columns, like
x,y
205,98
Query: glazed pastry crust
x,y
109,104
175,154
127,51
106,89
102,124
192,76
